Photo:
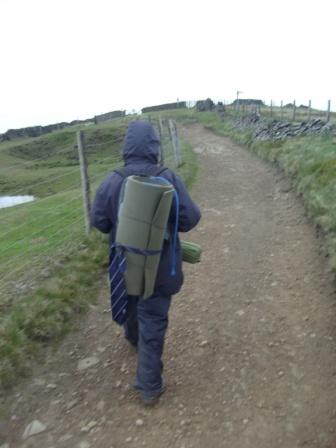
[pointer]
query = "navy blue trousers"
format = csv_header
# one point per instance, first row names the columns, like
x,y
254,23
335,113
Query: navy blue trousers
x,y
145,328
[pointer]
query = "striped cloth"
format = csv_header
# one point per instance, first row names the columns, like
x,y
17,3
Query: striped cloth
x,y
116,270
119,298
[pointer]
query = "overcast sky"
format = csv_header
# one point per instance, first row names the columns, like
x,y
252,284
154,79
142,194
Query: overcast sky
x,y
68,59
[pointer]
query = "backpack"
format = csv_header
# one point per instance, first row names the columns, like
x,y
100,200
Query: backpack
x,y
139,250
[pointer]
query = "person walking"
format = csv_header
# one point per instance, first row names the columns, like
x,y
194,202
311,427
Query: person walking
x,y
147,319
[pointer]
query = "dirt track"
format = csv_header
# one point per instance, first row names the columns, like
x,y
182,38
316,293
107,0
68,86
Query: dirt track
x,y
250,357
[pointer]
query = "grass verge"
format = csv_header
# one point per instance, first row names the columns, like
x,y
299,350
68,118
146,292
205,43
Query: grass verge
x,y
189,169
48,312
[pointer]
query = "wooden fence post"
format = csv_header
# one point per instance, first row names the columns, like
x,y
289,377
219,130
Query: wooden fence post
x,y
328,111
174,140
309,110
85,181
178,146
161,161
170,131
294,110
281,110
271,108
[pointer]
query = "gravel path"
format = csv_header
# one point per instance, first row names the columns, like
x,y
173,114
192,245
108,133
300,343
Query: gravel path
x,y
250,357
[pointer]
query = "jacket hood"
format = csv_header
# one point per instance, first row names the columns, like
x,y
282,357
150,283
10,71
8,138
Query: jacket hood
x,y
141,143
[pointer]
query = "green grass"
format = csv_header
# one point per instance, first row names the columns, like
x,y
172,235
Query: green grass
x,y
48,164
49,311
189,169
49,270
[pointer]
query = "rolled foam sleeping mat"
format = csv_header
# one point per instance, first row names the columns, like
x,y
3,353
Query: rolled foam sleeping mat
x,y
191,252
142,220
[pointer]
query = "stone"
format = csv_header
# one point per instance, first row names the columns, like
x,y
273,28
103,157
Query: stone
x,y
203,343
56,402
184,422
72,404
101,405
139,422
39,382
91,424
65,438
85,363
84,444
35,427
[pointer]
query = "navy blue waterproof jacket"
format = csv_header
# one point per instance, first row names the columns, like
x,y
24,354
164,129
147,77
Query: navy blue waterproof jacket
x,y
140,153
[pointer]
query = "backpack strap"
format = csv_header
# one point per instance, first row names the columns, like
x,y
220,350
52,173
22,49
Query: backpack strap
x,y
160,170
125,172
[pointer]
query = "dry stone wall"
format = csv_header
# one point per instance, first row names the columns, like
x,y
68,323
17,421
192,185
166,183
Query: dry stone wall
x,y
278,130
168,106
36,131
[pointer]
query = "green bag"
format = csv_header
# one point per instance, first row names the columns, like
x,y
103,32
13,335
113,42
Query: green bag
x,y
191,252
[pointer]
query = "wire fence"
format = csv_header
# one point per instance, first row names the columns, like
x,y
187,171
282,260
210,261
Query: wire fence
x,y
292,111
34,234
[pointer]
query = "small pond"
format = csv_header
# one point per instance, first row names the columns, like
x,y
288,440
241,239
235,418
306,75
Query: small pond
x,y
10,201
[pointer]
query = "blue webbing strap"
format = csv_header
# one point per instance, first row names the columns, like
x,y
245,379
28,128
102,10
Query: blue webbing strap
x,y
135,250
